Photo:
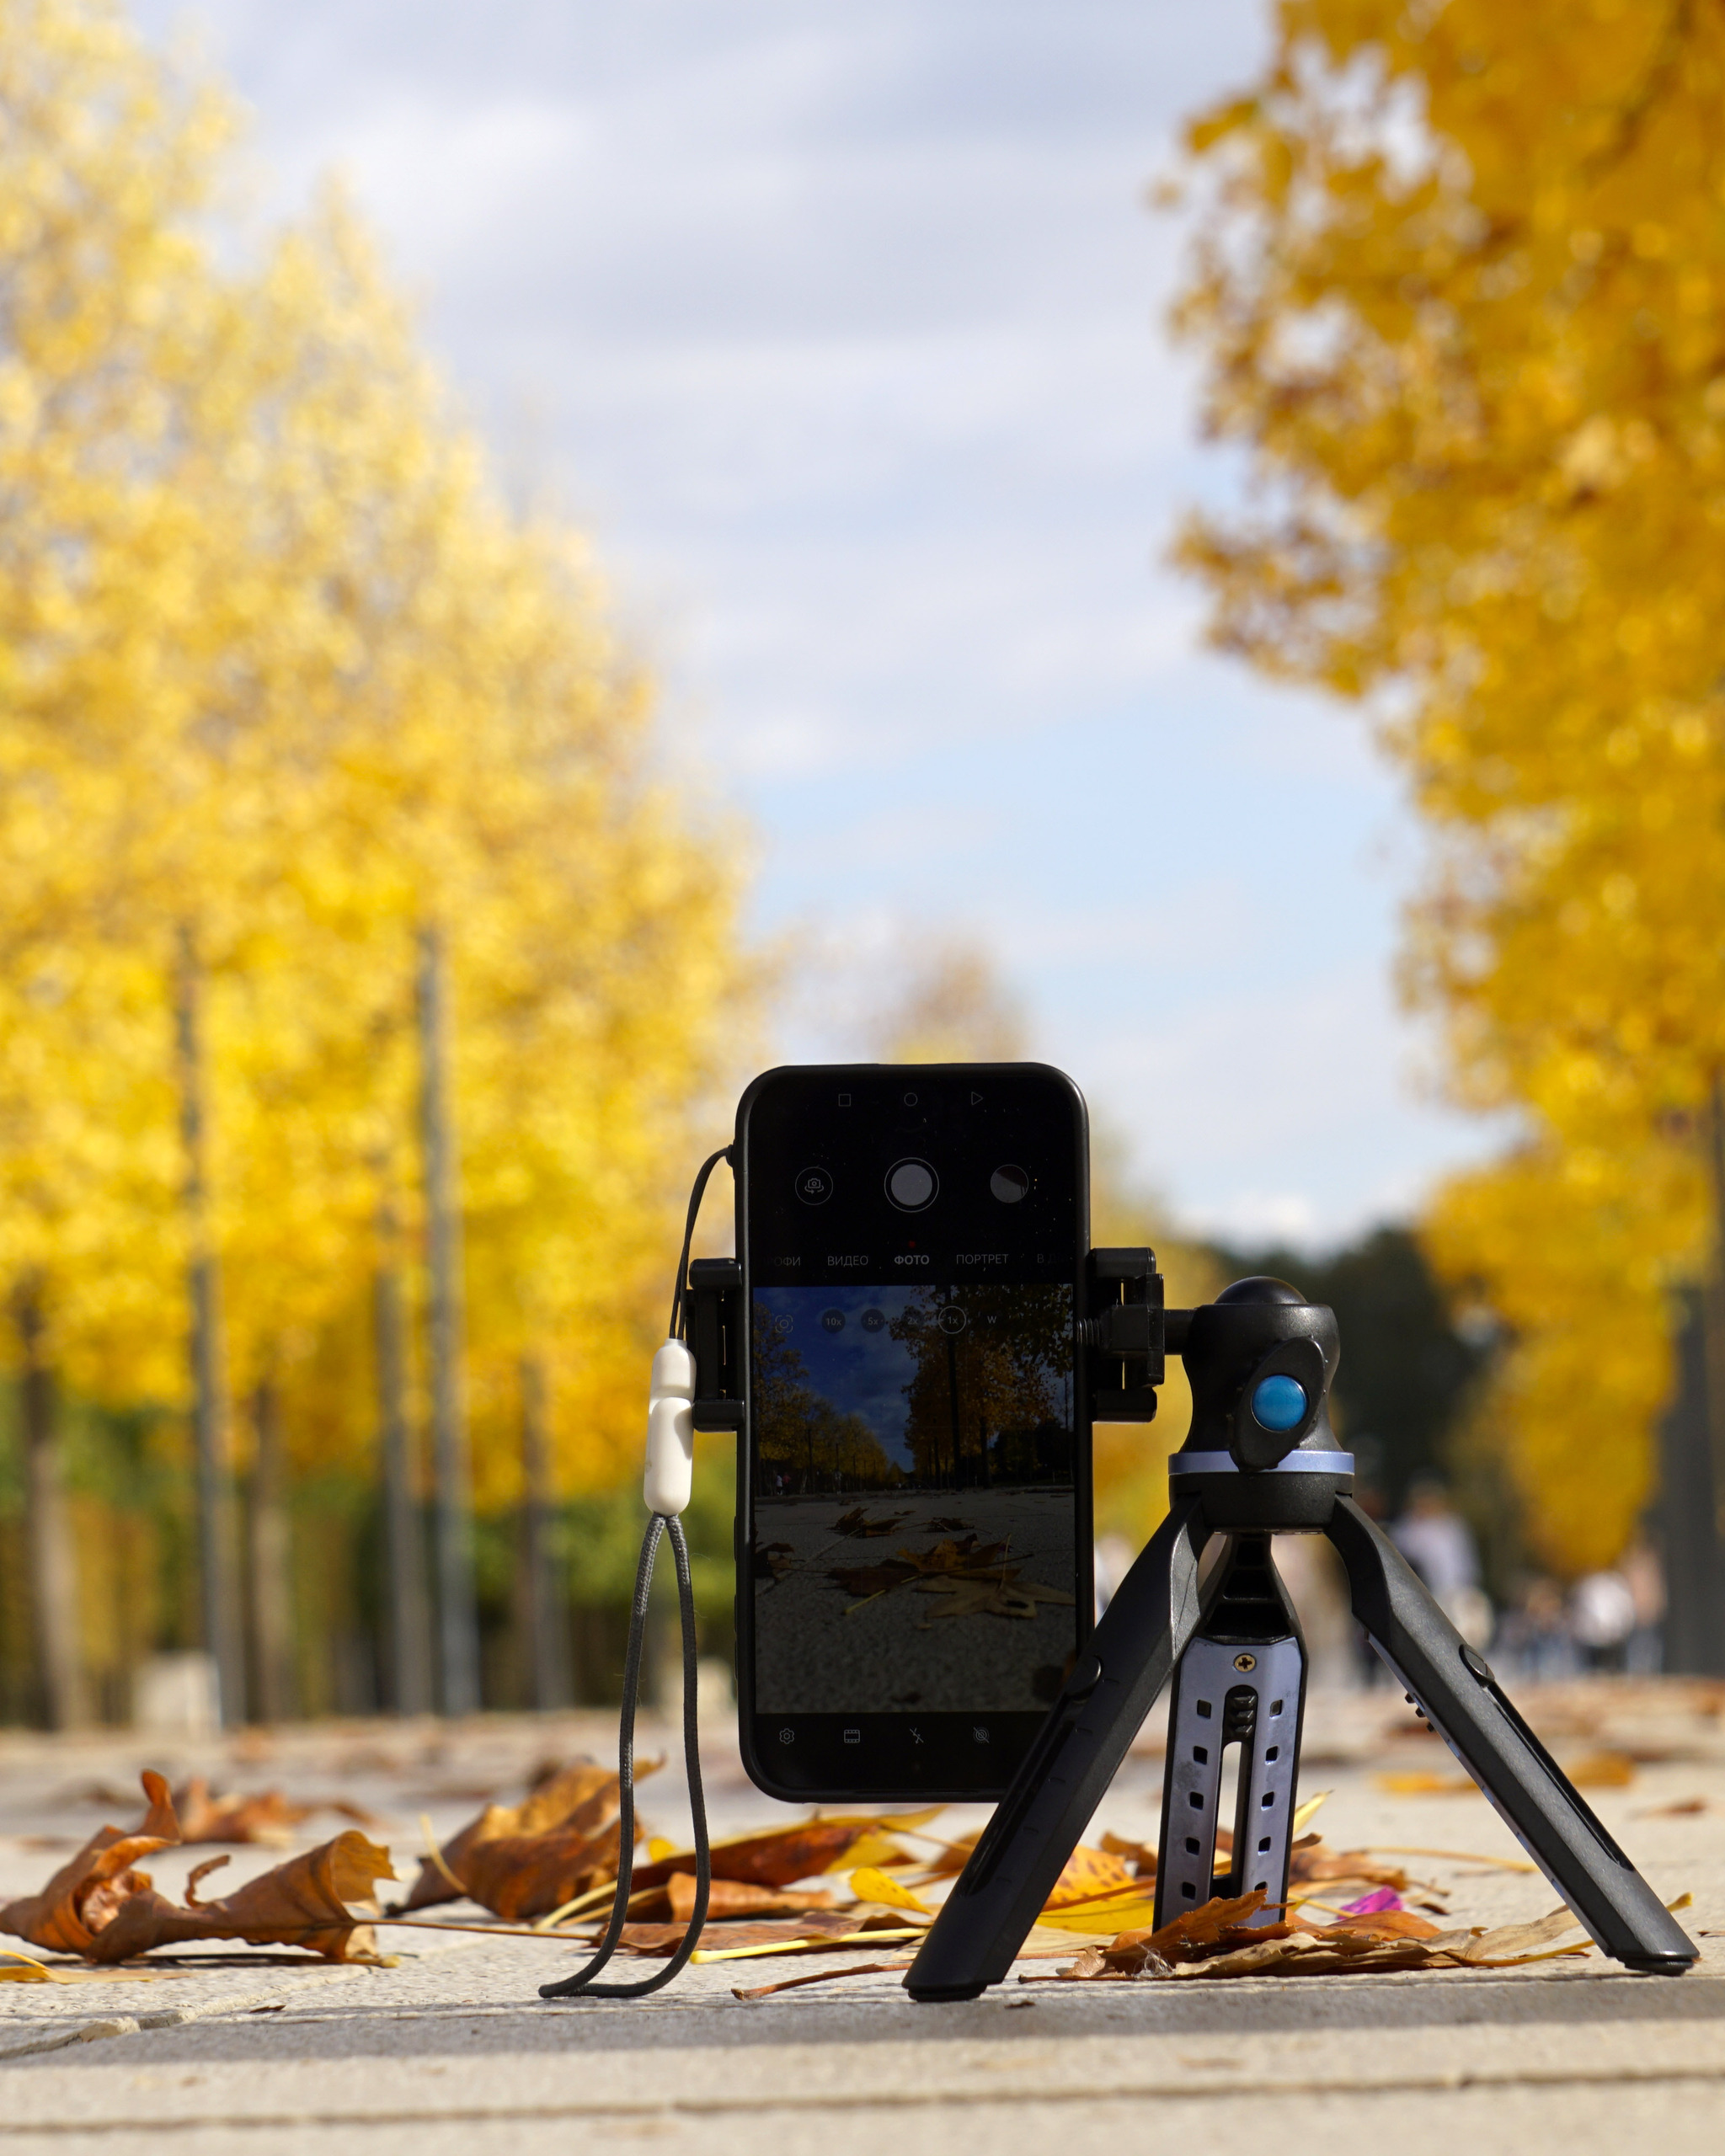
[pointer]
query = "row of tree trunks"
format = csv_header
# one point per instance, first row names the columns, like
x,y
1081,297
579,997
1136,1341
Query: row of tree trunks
x,y
253,1652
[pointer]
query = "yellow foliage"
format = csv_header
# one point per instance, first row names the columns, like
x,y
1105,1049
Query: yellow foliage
x,y
282,683
1460,288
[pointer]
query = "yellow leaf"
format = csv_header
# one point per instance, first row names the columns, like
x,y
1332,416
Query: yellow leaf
x,y
869,1884
1305,1814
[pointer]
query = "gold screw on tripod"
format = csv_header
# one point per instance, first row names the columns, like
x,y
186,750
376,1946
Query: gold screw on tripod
x,y
1245,1662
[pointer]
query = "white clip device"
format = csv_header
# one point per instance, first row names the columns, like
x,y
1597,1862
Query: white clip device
x,y
669,1480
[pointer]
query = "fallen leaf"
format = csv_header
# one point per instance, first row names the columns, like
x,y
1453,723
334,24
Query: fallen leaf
x,y
1311,1864
1426,1784
96,1880
266,1817
1110,1914
1686,1808
857,1521
726,1898
1601,1770
303,1902
870,1884
869,1581
1384,1924
946,1526
100,1908
1139,1854
951,1859
785,1855
564,1830
1306,1813
1001,1595
1213,1943
1087,1873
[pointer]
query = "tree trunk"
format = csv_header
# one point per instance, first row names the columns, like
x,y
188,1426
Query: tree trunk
x,y
222,1639
458,1625
272,1581
544,1615
1692,1547
53,1559
410,1643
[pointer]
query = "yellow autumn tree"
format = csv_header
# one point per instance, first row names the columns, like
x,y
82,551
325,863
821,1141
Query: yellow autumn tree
x,y
285,690
1459,293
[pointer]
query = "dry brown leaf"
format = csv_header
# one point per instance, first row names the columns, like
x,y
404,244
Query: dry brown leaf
x,y
1311,1864
303,1902
949,1556
787,1853
1384,1924
1601,1770
267,1816
572,1813
1087,1874
1219,1945
996,1594
100,1908
725,1899
82,1896
1140,1856
521,1877
870,1580
857,1521
951,1859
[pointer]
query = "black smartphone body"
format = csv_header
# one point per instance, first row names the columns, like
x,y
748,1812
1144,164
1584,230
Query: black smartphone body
x,y
914,1507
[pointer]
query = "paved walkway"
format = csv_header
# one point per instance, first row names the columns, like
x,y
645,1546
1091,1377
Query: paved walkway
x,y
452,2049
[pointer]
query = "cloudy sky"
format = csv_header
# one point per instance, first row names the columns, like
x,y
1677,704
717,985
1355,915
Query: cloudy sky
x,y
837,323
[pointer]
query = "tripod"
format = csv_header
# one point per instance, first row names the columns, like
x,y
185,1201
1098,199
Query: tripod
x,y
1261,1459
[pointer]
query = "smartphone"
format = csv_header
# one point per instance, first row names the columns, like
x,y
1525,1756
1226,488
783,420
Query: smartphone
x,y
913,1515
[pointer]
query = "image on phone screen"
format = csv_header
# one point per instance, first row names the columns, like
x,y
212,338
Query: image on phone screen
x,y
913,1481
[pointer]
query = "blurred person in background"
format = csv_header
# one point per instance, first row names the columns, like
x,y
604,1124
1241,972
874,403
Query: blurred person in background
x,y
1535,1638
1439,1544
1644,1571
1603,1616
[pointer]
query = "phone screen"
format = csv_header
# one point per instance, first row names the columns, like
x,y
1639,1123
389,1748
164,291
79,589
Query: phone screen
x,y
915,1521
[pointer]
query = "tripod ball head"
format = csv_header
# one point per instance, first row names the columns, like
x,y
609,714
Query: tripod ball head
x,y
1260,1359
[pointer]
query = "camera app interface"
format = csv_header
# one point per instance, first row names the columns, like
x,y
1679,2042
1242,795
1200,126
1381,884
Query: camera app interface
x,y
914,1512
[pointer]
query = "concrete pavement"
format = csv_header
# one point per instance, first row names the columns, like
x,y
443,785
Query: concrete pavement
x,y
452,2049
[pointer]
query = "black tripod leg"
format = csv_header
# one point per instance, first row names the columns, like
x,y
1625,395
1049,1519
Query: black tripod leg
x,y
973,1940
1467,1707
